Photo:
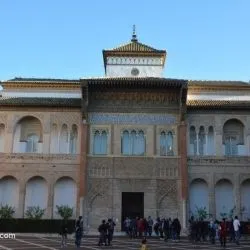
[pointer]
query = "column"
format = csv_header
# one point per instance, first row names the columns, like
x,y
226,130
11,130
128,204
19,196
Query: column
x,y
21,203
211,197
69,132
237,198
182,143
50,206
206,141
82,168
197,143
218,144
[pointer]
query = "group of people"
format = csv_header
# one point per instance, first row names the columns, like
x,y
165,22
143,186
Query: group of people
x,y
78,233
199,230
164,228
106,230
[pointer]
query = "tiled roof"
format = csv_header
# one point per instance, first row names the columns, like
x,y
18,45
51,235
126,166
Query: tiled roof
x,y
135,47
40,80
217,83
38,101
217,104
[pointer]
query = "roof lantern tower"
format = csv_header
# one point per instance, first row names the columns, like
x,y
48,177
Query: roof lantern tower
x,y
134,59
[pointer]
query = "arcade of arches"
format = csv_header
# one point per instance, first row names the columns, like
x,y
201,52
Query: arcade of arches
x,y
222,196
37,192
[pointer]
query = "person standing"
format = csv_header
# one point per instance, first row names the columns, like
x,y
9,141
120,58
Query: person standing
x,y
150,226
111,226
223,232
103,233
236,225
63,233
78,231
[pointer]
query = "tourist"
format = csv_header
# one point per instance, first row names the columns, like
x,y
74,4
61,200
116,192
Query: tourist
x,y
110,226
103,233
236,225
63,233
78,231
223,232
212,231
150,226
127,223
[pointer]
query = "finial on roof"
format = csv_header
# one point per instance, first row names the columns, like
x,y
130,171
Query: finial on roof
x,y
134,37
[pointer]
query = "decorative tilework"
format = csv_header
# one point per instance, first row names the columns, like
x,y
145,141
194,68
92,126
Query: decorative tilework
x,y
146,119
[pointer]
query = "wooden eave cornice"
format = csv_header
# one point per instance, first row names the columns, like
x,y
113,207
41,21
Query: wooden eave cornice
x,y
135,82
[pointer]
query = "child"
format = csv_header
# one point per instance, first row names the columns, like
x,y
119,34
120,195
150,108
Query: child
x,y
144,245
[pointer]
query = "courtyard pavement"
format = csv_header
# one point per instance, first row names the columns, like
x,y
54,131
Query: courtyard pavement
x,y
119,243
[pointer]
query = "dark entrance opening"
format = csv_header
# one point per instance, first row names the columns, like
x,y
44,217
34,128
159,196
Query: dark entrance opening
x,y
132,205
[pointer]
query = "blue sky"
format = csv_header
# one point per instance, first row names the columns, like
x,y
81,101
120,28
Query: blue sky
x,y
205,40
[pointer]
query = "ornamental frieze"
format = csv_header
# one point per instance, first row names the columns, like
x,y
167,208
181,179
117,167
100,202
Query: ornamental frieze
x,y
168,97
31,156
140,119
67,118
218,160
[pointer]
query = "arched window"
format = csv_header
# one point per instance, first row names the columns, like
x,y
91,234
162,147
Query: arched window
x,y
32,143
166,143
54,139
192,141
210,141
163,149
100,142
201,137
73,140
133,142
64,139
125,143
170,143
28,136
233,136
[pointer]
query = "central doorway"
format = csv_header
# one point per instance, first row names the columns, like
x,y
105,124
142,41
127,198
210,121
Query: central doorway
x,y
132,205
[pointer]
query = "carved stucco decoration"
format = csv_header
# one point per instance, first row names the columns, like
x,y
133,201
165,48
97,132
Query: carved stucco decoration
x,y
169,97
133,167
166,188
97,187
3,119
68,118
100,167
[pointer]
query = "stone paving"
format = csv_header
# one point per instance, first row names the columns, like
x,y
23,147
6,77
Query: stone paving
x,y
119,243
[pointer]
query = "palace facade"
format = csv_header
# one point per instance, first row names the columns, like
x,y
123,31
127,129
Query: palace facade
x,y
131,143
